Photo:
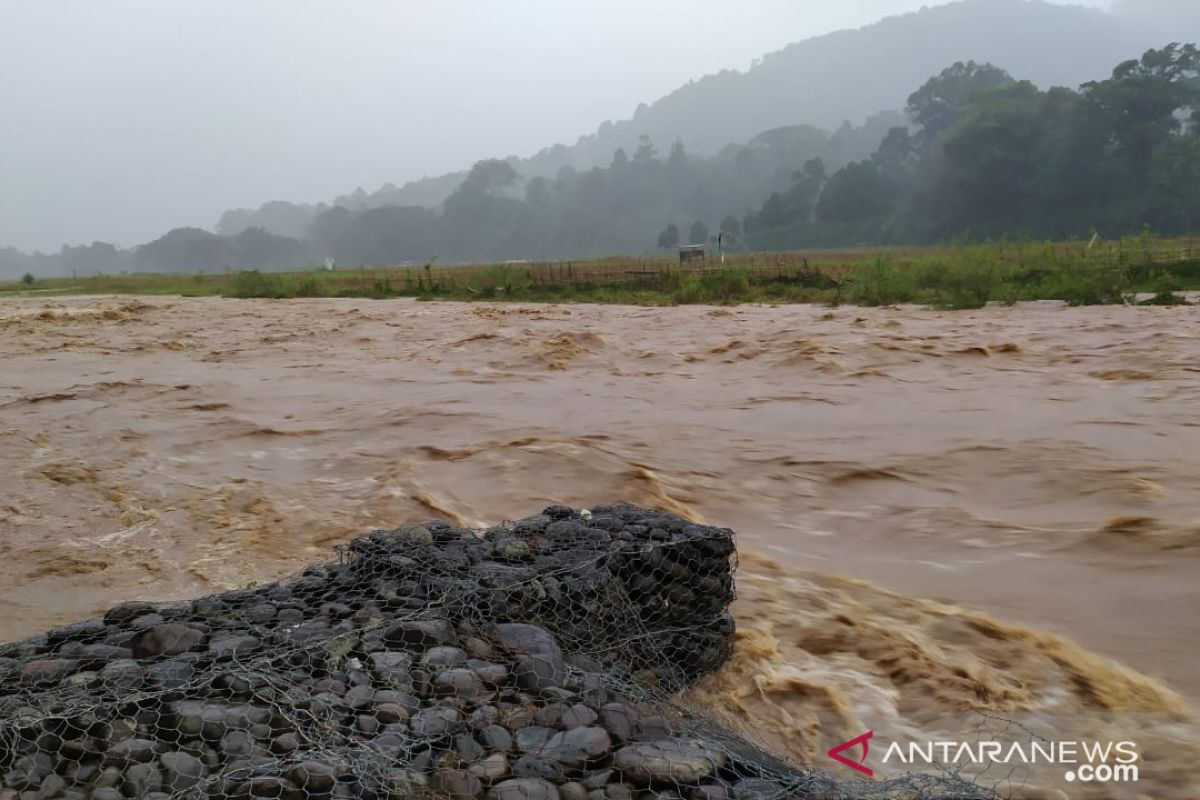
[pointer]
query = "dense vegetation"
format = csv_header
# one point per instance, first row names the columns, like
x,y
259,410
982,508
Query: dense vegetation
x,y
493,213
1142,269
824,80
983,156
991,156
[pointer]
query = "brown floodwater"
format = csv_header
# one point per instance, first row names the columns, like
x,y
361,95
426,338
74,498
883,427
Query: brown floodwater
x,y
942,514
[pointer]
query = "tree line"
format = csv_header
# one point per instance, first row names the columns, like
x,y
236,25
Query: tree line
x,y
978,154
990,156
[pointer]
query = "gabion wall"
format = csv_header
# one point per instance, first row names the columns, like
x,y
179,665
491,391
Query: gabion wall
x,y
532,661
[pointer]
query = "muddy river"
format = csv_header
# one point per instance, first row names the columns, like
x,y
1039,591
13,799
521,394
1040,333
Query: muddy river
x,y
943,516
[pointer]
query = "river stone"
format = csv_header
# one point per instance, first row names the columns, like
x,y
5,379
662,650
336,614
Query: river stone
x,y
417,533
260,613
489,672
443,656
679,761
233,644
108,777
296,630
577,716
141,779
712,791
390,745
468,748
519,637
313,630
387,713
597,779
147,621
238,743
52,786
654,727
516,717
47,670
402,699
540,672
490,768
513,549
550,714
181,771
530,766
533,737
577,746
170,674
287,743
269,786
124,673
421,634
534,523
165,640
524,789
434,722
127,612
495,737
95,655
130,751
16,780
81,679
313,776
36,765
572,791
459,784
392,668
359,696
459,682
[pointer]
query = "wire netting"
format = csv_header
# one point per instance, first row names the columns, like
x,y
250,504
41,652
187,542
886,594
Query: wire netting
x,y
537,660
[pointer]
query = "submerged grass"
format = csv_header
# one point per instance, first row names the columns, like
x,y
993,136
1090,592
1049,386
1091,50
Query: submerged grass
x,y
949,277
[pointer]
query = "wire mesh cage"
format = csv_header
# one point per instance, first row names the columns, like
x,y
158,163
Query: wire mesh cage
x,y
537,660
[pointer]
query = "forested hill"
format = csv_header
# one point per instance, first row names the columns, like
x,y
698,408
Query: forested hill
x,y
827,80
851,74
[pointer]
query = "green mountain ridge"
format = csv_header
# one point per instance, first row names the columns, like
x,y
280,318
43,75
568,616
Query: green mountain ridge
x,y
845,76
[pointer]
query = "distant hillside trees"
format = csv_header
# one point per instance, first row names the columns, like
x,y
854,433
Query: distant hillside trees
x,y
496,213
980,154
278,217
936,105
846,75
992,156
196,250
377,236
731,224
668,238
793,206
184,250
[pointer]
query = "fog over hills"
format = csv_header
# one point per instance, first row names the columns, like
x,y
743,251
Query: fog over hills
x,y
849,75
98,146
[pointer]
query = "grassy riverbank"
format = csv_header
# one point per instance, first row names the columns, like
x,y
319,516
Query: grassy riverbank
x,y
966,276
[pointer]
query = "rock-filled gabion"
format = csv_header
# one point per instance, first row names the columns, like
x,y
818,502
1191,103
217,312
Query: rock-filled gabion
x,y
531,661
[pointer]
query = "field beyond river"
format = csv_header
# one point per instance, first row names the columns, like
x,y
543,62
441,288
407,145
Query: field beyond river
x,y
942,516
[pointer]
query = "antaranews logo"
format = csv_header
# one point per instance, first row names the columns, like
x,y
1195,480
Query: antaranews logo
x,y
1085,761
836,752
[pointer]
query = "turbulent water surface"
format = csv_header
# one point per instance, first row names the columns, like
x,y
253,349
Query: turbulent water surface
x,y
1030,473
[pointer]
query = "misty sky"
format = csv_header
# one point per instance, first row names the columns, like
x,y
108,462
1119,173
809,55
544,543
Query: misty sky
x,y
122,119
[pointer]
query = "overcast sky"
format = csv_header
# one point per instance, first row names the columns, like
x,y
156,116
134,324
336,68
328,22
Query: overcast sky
x,y
122,119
